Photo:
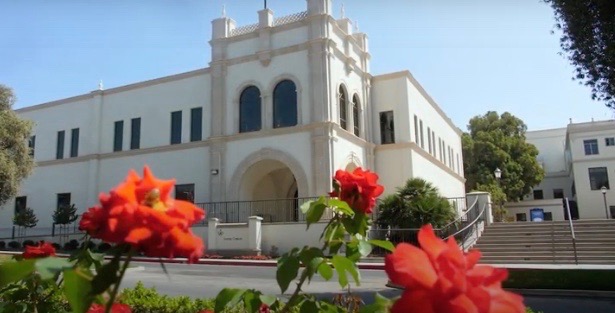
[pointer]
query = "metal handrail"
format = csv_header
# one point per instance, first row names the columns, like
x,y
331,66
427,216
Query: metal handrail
x,y
458,219
470,224
572,233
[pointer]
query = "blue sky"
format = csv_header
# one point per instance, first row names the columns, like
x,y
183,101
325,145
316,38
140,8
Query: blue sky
x,y
470,55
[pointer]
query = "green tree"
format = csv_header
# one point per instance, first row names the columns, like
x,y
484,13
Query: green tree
x,y
495,141
15,160
65,214
415,204
25,218
588,40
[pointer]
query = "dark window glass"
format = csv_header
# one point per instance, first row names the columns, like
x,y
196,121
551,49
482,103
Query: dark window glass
x,y
439,148
285,104
387,127
184,192
60,145
598,178
558,193
176,127
433,144
548,216
355,115
612,211
63,200
591,146
429,139
538,194
118,136
20,204
250,110
74,142
422,137
521,217
196,124
416,129
343,108
32,145
135,133
610,141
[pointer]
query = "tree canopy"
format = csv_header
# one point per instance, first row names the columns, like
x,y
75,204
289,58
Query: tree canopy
x,y
588,39
495,141
15,160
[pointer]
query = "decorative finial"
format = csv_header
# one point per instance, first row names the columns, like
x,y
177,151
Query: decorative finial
x,y
343,11
265,4
100,85
570,120
356,26
223,10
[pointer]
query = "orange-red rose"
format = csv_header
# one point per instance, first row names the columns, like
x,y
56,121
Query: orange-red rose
x,y
142,213
358,188
440,278
115,308
42,250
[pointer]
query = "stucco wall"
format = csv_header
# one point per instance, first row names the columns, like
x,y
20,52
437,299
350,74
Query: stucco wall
x,y
295,235
553,205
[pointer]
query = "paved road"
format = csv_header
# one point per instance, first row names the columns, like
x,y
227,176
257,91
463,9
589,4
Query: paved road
x,y
208,280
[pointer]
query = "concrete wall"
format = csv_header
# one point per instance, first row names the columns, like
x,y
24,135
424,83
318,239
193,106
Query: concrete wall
x,y
295,235
554,206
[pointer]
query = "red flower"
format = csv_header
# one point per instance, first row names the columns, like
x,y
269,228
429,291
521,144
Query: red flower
x,y
439,278
115,308
141,212
42,250
206,311
359,189
264,308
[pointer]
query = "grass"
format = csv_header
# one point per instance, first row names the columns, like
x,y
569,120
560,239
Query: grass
x,y
561,279
4,258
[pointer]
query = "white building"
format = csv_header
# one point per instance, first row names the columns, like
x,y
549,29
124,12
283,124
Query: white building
x,y
284,103
578,161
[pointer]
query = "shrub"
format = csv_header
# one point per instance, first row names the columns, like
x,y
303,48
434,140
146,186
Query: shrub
x,y
56,246
25,218
28,243
103,247
14,244
90,245
2,244
147,300
71,245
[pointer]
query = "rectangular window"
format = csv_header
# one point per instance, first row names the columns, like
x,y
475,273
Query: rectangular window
x,y
612,211
176,127
196,124
558,193
598,178
443,152
591,146
32,145
74,142
458,167
433,143
387,127
118,136
609,142
135,133
422,137
548,216
538,194
521,217
439,148
60,145
20,204
63,200
429,139
184,192
416,129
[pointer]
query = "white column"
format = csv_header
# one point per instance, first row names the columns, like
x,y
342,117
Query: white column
x,y
483,199
212,233
254,233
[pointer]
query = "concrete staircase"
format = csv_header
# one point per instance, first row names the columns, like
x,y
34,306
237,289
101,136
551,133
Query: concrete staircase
x,y
548,242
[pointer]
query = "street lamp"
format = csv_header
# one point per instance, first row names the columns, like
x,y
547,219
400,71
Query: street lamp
x,y
498,176
606,210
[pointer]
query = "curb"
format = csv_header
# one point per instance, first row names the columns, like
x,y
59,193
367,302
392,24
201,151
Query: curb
x,y
564,293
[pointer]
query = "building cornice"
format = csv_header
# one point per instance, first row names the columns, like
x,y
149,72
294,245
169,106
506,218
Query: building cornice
x,y
422,91
591,127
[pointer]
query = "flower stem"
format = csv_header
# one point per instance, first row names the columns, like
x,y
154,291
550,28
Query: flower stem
x,y
116,287
295,295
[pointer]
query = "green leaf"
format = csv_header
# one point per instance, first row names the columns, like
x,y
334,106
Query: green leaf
x,y
308,306
288,268
106,276
343,265
228,297
365,248
352,251
306,206
251,301
314,214
77,289
14,271
325,271
307,254
268,299
381,304
341,207
48,268
383,244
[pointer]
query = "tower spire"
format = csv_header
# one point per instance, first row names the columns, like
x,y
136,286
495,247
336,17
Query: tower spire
x,y
100,85
342,11
223,10
265,4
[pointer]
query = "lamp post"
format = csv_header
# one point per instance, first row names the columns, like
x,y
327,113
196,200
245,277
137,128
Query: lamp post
x,y
498,176
606,210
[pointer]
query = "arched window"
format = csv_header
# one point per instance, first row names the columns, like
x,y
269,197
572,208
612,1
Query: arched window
x,y
250,110
285,104
355,115
342,105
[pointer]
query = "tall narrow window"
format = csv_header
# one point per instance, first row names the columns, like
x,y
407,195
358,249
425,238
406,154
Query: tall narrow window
x,y
439,148
343,109
20,204
355,115
176,127
598,178
60,145
422,137
429,139
118,136
458,167
285,104
32,145
387,127
443,152
135,133
184,192
196,124
63,200
74,142
416,129
433,143
250,110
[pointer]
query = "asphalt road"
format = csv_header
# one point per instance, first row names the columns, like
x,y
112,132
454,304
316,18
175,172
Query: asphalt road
x,y
208,280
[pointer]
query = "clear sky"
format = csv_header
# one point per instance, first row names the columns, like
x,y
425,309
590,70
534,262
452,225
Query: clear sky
x,y
471,56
